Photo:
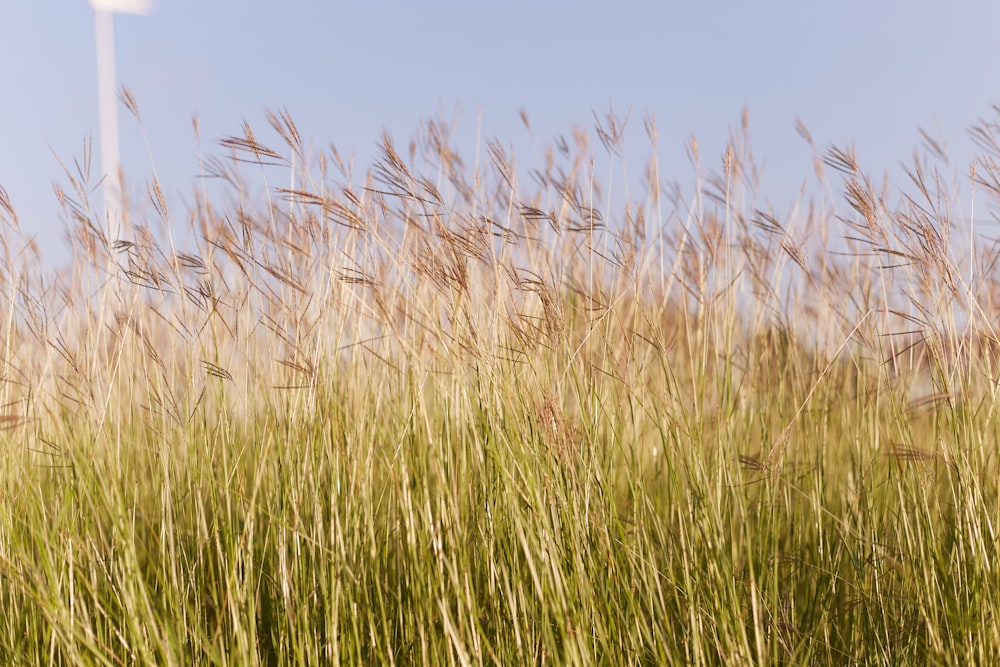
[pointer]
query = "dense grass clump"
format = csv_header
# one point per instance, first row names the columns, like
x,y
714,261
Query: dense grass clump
x,y
444,413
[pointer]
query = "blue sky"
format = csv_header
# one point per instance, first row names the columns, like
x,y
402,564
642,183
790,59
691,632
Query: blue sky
x,y
867,73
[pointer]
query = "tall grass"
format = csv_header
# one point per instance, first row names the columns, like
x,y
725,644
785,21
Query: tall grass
x,y
441,412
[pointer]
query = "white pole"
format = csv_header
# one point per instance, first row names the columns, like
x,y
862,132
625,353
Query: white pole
x,y
107,105
108,109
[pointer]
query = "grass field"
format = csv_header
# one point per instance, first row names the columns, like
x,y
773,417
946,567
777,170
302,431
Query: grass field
x,y
447,412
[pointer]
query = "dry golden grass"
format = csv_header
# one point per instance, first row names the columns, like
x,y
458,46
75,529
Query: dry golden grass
x,y
442,412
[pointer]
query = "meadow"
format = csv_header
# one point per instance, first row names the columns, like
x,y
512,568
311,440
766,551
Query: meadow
x,y
445,411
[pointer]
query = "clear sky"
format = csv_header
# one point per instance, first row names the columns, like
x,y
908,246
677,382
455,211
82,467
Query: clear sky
x,y
863,72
